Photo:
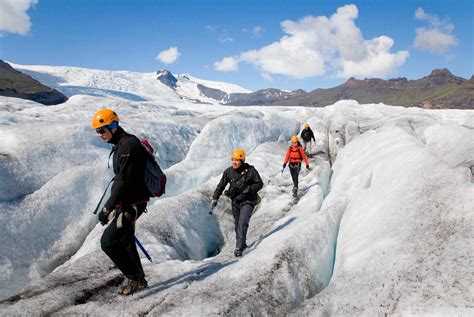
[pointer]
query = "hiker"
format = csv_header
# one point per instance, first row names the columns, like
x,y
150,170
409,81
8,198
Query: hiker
x,y
245,182
307,136
127,201
294,155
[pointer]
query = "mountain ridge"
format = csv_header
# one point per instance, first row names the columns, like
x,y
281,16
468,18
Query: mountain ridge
x,y
439,90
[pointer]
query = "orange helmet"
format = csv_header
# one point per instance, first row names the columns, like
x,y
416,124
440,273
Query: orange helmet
x,y
294,138
104,117
238,154
306,125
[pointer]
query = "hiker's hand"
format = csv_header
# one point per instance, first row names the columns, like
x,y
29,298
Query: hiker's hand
x,y
104,216
284,165
307,167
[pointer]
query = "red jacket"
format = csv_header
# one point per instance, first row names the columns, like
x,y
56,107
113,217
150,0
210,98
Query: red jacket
x,y
294,154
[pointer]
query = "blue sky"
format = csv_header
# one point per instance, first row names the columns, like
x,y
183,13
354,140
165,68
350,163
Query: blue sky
x,y
255,44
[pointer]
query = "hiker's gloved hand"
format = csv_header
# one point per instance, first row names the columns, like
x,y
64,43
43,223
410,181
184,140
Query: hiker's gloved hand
x,y
104,216
284,165
307,167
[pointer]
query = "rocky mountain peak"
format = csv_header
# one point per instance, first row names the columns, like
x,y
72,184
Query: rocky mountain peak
x,y
167,78
441,72
6,67
443,75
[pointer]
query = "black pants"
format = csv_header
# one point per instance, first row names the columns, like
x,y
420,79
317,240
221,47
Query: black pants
x,y
119,243
295,172
242,213
307,144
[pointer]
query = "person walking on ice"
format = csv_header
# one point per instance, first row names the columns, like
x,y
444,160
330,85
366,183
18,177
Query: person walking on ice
x,y
307,136
128,199
244,182
294,155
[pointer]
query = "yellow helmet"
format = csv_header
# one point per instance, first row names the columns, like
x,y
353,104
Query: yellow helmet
x,y
104,117
294,138
306,125
238,154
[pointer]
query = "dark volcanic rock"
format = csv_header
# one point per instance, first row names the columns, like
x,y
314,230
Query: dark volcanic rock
x,y
16,84
213,93
167,78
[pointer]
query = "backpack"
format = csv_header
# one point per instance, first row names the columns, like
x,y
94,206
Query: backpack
x,y
155,179
297,150
306,135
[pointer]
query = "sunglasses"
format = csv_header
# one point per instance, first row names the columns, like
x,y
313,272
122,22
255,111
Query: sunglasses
x,y
100,130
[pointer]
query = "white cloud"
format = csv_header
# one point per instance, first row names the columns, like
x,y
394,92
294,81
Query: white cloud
x,y
227,64
286,58
437,37
257,31
267,77
378,62
311,45
225,39
13,16
211,28
169,56
434,40
224,34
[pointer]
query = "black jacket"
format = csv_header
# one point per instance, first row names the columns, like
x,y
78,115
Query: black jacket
x,y
129,162
245,182
307,135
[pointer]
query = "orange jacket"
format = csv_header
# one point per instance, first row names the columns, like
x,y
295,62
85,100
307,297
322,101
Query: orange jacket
x,y
294,154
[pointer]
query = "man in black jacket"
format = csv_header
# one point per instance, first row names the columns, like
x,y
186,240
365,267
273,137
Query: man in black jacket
x,y
307,135
127,201
245,182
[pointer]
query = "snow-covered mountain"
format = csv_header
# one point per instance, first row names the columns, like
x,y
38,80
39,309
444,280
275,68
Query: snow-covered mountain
x,y
126,85
382,225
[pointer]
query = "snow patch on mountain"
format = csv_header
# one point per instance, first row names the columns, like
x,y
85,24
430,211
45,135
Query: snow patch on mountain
x,y
133,86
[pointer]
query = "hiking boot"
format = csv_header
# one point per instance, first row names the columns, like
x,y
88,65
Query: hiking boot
x,y
295,191
133,286
238,251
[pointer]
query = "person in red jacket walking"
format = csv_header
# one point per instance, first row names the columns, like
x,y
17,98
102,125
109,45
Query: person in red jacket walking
x,y
294,155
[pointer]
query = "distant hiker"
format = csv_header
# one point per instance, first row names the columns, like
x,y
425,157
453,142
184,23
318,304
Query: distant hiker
x,y
295,154
308,136
245,182
127,201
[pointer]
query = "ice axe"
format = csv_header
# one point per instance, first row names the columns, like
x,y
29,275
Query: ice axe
x,y
143,249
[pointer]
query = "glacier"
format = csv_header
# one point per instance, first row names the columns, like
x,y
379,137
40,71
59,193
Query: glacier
x,y
383,223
